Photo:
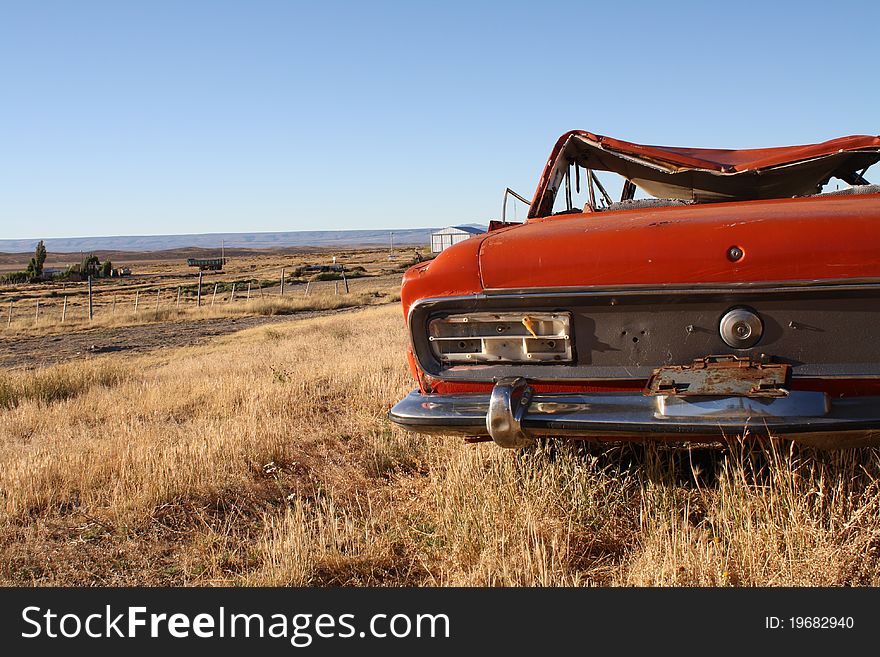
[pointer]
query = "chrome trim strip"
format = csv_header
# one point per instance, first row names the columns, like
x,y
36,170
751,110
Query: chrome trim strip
x,y
808,285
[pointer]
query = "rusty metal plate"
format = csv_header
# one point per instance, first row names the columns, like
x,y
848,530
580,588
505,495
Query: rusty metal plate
x,y
714,376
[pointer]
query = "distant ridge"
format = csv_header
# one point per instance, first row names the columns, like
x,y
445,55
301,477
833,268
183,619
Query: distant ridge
x,y
402,237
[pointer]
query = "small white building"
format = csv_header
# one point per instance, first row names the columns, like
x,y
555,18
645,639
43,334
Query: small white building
x,y
446,237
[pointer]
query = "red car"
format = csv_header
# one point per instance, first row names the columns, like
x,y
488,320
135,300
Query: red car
x,y
717,292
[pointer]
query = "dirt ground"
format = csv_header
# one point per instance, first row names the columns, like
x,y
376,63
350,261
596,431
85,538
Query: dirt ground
x,y
38,351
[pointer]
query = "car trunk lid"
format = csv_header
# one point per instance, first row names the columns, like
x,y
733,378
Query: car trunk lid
x,y
812,238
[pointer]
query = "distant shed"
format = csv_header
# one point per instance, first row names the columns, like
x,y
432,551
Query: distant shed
x,y
207,264
446,237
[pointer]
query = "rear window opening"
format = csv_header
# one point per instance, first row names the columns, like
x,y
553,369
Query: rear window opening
x,y
614,186
591,173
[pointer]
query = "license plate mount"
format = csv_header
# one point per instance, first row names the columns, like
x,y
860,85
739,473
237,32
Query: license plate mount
x,y
721,376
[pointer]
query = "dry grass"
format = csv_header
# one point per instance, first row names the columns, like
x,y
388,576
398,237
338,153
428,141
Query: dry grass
x,y
47,386
265,458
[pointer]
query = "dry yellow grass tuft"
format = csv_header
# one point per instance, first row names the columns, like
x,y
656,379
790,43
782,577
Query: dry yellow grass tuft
x,y
264,457
56,384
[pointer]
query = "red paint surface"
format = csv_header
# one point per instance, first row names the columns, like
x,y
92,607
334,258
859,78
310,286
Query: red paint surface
x,y
783,239
834,387
453,272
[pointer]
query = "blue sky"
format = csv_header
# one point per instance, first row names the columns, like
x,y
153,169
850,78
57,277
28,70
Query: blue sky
x,y
187,116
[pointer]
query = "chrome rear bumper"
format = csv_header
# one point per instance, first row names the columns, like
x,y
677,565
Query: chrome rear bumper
x,y
513,415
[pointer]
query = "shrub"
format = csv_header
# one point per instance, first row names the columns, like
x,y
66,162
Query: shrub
x,y
15,277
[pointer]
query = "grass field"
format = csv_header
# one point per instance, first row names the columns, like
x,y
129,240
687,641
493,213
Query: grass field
x,y
264,457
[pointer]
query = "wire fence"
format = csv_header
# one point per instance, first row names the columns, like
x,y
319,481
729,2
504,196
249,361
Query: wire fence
x,y
134,304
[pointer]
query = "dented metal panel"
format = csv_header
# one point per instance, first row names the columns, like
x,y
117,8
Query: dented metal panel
x,y
705,174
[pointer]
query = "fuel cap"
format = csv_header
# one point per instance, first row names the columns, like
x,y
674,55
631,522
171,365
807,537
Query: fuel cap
x,y
741,328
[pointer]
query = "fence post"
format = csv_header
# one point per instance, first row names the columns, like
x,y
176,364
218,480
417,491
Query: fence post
x,y
90,299
308,284
199,293
232,297
282,281
64,310
213,298
336,285
248,292
158,290
178,298
9,321
113,309
137,296
345,280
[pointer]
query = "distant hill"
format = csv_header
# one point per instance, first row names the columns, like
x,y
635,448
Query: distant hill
x,y
300,238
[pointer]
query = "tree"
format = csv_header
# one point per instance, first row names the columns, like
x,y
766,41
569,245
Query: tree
x,y
89,265
106,268
35,266
40,255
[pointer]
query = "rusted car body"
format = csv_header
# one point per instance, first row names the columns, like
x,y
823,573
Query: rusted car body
x,y
739,299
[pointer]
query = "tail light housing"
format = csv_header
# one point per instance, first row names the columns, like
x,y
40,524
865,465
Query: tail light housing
x,y
501,337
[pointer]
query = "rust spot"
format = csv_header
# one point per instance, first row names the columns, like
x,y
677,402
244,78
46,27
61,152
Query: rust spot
x,y
721,376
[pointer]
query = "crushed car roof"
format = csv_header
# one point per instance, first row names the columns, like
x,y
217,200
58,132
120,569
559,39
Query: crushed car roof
x,y
709,174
